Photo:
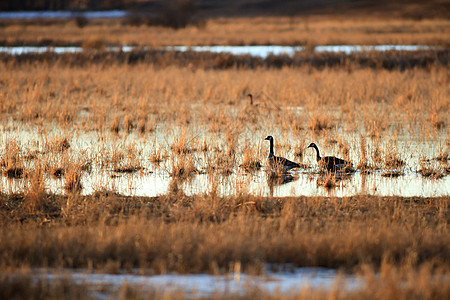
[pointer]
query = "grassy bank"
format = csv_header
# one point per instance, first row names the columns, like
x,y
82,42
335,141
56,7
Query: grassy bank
x,y
296,30
398,246
209,233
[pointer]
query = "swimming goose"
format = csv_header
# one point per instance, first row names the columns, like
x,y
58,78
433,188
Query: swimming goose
x,y
331,163
275,161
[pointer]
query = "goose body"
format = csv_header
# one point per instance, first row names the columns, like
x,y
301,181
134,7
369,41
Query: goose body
x,y
330,163
276,161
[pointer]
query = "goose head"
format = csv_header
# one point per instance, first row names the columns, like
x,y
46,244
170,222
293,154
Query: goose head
x,y
269,138
312,145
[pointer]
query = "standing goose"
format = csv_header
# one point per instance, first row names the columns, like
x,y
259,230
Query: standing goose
x,y
331,163
279,161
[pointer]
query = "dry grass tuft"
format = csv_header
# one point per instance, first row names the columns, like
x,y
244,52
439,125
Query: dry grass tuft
x,y
35,197
128,123
141,126
430,172
58,144
72,176
93,44
157,156
56,172
250,162
251,165
329,181
223,165
376,128
298,151
182,166
115,125
393,161
443,157
12,160
363,165
204,147
231,138
436,122
181,145
392,174
319,122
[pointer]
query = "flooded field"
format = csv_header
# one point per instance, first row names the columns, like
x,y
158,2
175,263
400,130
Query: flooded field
x,y
194,286
137,175
62,14
257,51
318,170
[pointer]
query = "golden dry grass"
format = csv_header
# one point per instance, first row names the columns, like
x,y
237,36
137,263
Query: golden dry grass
x,y
84,96
76,232
309,30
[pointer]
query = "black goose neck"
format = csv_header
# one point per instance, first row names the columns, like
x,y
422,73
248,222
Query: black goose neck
x,y
317,152
271,148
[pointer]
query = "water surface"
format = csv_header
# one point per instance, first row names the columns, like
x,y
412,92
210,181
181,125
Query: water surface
x,y
98,149
62,14
256,51
205,285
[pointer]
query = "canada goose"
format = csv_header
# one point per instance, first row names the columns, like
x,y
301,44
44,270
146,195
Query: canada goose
x,y
250,97
279,161
331,163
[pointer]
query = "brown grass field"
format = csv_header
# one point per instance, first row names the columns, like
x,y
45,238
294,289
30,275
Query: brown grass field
x,y
310,31
69,116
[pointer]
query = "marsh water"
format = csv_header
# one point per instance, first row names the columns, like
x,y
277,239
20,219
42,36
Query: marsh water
x,y
287,279
295,183
262,51
60,14
98,149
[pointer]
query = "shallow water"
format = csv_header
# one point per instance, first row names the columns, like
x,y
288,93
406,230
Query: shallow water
x,y
59,14
19,50
295,183
205,285
264,51
98,149
257,51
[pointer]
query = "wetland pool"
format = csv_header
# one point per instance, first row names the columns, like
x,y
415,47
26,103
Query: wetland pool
x,y
293,184
122,164
288,279
262,51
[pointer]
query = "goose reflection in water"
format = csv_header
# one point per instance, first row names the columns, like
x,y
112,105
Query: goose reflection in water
x,y
276,181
